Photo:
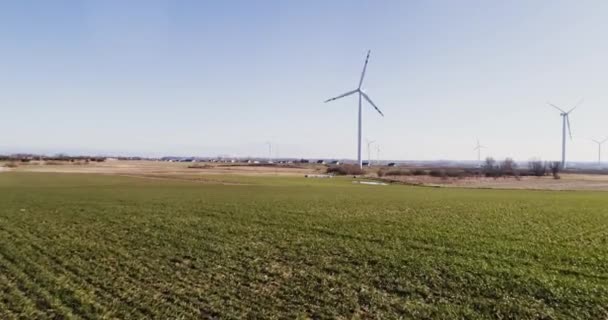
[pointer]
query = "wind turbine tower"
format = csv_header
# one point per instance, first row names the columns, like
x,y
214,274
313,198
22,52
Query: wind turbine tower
x,y
362,95
599,150
478,148
269,151
565,123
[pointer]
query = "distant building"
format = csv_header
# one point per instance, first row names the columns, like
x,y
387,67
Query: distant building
x,y
392,164
336,162
320,161
366,164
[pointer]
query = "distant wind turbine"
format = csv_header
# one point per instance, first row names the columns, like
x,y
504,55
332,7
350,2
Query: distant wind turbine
x,y
599,150
363,95
369,149
565,123
269,151
478,148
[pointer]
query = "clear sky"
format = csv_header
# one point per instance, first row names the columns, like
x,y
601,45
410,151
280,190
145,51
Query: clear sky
x,y
223,77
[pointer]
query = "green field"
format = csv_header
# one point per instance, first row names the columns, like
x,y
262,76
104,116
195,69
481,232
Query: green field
x,y
94,246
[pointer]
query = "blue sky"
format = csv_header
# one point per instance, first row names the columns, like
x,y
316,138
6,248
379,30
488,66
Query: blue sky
x,y
209,78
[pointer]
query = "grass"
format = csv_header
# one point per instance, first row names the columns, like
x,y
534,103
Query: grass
x,y
76,246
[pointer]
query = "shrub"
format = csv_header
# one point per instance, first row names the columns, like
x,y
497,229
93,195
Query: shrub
x,y
418,172
12,164
489,168
54,163
508,167
455,173
397,172
200,166
346,169
537,168
437,173
555,169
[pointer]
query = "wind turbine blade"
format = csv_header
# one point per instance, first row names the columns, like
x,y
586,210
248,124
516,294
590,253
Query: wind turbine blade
x,y
577,105
604,140
571,110
342,95
372,103
364,67
569,129
556,107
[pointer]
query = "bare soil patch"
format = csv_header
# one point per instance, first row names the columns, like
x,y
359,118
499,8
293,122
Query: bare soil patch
x,y
168,169
178,170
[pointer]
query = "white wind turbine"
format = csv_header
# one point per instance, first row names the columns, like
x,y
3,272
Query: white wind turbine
x,y
369,150
364,96
599,150
565,123
269,151
478,148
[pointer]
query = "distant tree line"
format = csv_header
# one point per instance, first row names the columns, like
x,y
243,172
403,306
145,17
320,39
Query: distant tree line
x,y
59,157
345,169
491,168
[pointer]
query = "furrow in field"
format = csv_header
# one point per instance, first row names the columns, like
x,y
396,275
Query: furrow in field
x,y
87,285
518,253
513,258
80,302
589,234
123,288
9,301
45,300
114,248
139,273
16,301
147,274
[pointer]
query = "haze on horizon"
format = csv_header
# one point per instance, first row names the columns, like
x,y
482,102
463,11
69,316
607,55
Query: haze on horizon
x,y
157,78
